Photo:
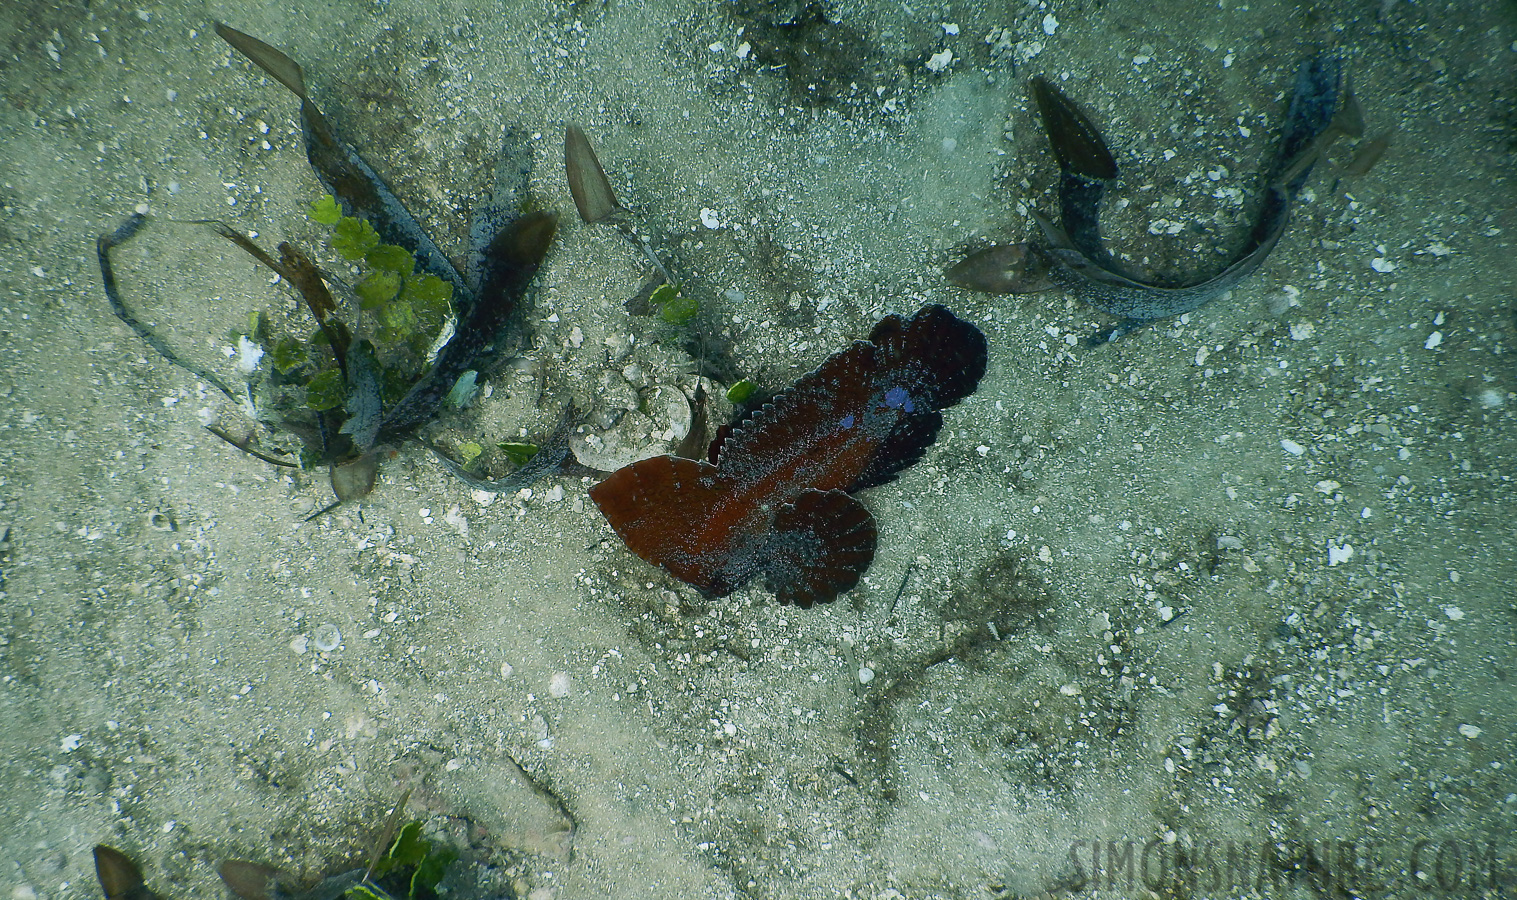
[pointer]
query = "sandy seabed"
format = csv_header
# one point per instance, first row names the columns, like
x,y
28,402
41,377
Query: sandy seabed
x,y
1221,609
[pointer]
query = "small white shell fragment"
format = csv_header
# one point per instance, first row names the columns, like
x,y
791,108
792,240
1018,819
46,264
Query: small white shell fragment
x,y
1433,340
940,60
559,685
455,520
248,355
71,743
299,643
1302,331
1291,447
709,218
1470,731
1454,613
1382,265
326,637
506,670
866,674
1050,24
1338,555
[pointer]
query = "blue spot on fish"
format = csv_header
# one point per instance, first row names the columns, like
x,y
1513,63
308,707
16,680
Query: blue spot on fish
x,y
897,398
847,421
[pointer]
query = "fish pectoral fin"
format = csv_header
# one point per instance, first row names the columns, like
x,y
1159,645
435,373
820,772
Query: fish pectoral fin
x,y
821,545
903,448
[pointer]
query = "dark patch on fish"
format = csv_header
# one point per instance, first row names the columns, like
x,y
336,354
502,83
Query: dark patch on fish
x,y
776,501
1072,255
588,184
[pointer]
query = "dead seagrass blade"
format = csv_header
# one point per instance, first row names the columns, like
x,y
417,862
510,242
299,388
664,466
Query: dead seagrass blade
x,y
588,184
120,878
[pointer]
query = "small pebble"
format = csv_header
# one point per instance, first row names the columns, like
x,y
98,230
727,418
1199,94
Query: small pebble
x,y
559,685
326,637
1470,731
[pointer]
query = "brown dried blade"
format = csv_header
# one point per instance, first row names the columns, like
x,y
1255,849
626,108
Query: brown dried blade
x,y
250,880
1367,154
1003,269
285,70
120,878
246,446
295,267
387,834
1076,142
587,180
352,181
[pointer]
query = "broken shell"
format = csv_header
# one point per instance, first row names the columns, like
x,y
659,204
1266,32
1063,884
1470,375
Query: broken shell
x,y
661,418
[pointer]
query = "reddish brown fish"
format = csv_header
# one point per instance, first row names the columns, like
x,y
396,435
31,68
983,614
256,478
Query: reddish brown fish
x,y
776,501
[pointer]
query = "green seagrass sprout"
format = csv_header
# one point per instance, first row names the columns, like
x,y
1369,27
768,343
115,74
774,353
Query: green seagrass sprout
x,y
412,861
673,307
409,307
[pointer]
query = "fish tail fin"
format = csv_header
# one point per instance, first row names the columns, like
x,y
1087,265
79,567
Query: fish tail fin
x,y
822,544
656,506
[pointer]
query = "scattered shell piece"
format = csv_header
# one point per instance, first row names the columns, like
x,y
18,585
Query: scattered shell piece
x,y
326,637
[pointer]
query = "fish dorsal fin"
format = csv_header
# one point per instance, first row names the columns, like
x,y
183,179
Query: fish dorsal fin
x,y
792,422
821,544
657,506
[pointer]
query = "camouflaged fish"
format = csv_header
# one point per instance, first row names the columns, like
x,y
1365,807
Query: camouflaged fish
x,y
774,498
